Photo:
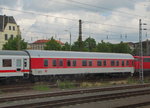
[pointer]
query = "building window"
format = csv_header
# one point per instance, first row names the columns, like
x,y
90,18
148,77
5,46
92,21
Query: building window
x,y
84,63
46,63
13,27
11,36
99,63
6,37
90,63
9,27
54,62
7,62
74,62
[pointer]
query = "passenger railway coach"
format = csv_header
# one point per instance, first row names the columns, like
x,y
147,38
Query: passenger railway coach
x,y
38,63
146,63
62,62
14,63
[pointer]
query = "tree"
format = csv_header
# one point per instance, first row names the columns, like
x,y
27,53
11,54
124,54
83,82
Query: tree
x,y
15,44
123,48
66,47
103,47
90,44
52,45
75,46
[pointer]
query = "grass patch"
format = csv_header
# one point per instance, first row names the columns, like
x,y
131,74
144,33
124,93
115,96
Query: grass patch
x,y
1,92
41,87
86,84
65,85
131,80
146,80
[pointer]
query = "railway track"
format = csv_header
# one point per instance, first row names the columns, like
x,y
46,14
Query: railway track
x,y
74,99
135,105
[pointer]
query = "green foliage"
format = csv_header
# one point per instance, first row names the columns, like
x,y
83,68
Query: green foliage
x,y
41,87
52,45
75,46
65,85
116,48
130,80
122,48
66,47
103,47
15,44
90,44
1,92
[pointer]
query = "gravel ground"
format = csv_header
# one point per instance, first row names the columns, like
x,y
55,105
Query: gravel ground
x,y
113,103
102,104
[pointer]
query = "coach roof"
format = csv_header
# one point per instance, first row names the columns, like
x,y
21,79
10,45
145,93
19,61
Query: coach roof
x,y
72,54
15,53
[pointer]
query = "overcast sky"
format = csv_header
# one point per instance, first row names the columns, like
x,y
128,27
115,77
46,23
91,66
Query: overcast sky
x,y
109,20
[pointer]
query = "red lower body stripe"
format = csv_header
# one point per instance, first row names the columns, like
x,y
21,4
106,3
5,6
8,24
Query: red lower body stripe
x,y
11,71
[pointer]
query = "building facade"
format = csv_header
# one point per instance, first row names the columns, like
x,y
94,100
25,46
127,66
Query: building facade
x,y
40,44
8,29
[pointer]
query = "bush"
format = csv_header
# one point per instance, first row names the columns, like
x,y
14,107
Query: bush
x,y
41,87
65,85
130,80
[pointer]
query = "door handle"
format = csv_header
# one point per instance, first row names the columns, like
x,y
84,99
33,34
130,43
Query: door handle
x,y
18,69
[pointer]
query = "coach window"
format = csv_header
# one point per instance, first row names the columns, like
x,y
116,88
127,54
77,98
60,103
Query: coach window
x,y
132,63
60,62
46,63
7,62
117,63
68,63
18,63
84,62
25,62
90,63
74,62
104,62
112,63
127,63
146,59
136,59
122,63
99,63
54,62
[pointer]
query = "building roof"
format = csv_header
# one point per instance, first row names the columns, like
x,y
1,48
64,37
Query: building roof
x,y
6,19
73,54
42,41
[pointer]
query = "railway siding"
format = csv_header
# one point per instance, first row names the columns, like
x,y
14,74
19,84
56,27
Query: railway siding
x,y
105,95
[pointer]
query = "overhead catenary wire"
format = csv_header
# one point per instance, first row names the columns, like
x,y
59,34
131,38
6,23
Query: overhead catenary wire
x,y
104,8
73,19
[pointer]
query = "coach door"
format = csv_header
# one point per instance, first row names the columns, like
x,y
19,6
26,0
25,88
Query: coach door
x,y
25,64
18,65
